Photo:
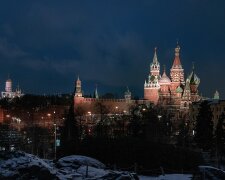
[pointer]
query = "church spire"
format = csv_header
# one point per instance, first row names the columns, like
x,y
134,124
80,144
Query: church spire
x,y
164,79
155,59
193,78
164,69
155,66
96,92
176,62
177,72
193,66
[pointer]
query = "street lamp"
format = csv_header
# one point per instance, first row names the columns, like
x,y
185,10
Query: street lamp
x,y
55,140
159,116
88,117
116,110
54,134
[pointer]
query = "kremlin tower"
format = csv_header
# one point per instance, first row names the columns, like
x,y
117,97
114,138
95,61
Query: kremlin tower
x,y
78,96
174,91
151,87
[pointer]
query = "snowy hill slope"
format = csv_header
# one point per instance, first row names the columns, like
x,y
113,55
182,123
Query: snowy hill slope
x,y
20,165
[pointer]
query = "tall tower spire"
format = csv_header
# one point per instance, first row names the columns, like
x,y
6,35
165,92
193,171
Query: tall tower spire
x,y
193,66
78,91
78,96
155,66
155,59
164,69
151,87
96,92
176,62
177,72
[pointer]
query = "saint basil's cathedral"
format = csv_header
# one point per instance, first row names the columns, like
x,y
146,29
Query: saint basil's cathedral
x,y
174,92
171,93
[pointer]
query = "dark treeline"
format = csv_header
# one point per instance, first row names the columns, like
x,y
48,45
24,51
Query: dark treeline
x,y
32,101
140,139
147,155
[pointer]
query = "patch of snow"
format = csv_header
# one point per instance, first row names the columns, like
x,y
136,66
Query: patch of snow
x,y
168,177
92,171
20,165
23,164
77,160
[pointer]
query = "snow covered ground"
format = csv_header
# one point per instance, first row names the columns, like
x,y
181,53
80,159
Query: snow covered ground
x,y
20,165
168,177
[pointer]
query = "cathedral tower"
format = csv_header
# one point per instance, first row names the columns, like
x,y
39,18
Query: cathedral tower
x,y
194,83
164,93
177,72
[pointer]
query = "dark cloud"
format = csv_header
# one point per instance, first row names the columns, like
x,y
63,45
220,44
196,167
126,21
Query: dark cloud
x,y
10,50
108,42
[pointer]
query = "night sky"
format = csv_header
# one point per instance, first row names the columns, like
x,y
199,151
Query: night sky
x,y
44,45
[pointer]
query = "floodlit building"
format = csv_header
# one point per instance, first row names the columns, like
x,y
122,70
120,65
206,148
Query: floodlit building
x,y
9,93
173,91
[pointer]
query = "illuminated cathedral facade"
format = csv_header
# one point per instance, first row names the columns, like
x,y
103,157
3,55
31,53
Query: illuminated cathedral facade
x,y
172,91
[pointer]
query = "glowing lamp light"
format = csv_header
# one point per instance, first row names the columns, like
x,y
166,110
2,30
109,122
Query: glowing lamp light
x,y
159,116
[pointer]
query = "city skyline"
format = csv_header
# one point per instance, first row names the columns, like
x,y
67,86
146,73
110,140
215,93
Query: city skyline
x,y
108,43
